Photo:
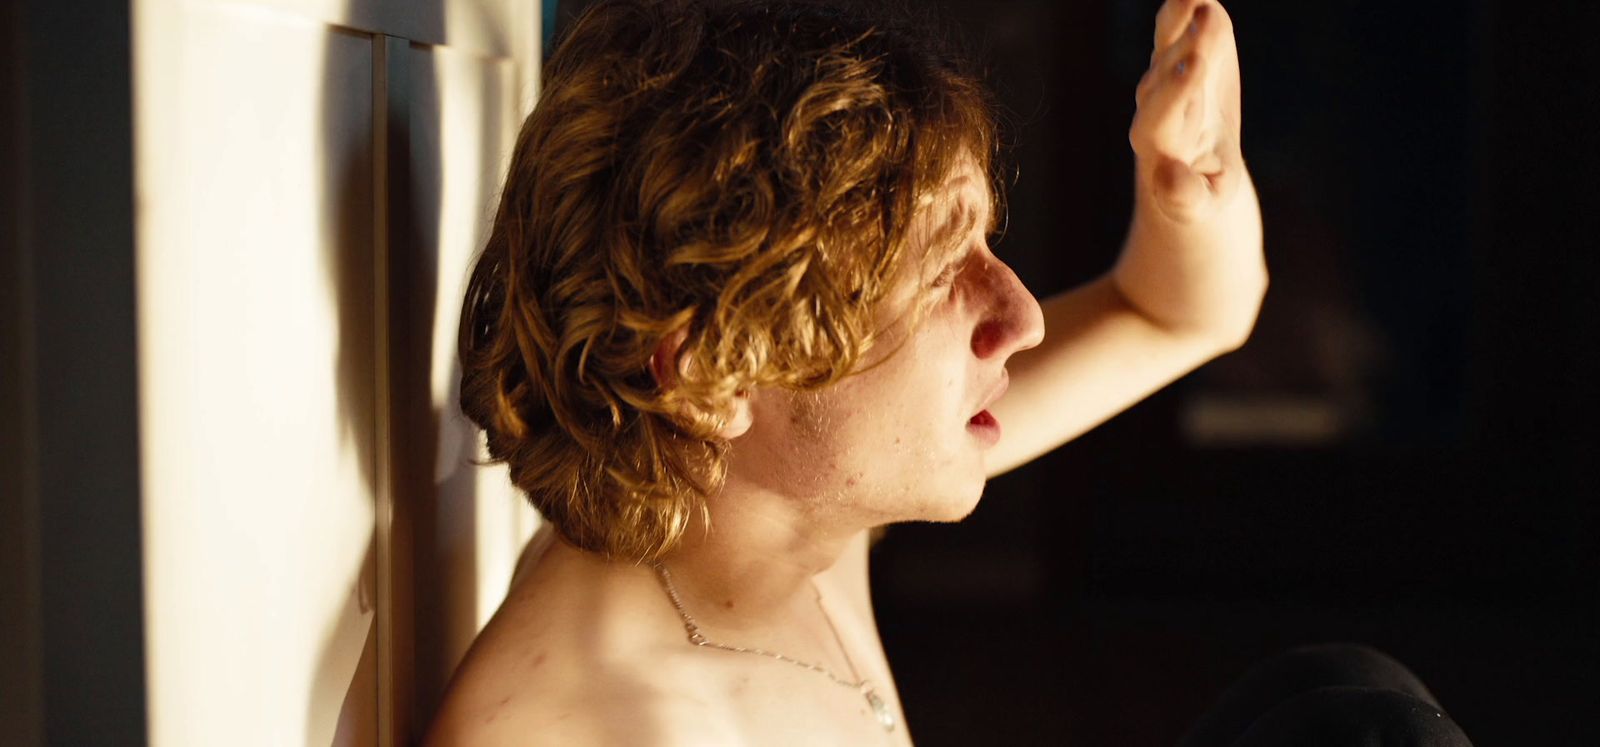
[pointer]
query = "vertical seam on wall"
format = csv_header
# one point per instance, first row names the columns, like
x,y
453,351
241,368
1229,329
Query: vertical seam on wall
x,y
383,104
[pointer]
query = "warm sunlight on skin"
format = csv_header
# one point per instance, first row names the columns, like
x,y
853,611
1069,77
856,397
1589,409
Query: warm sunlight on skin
x,y
904,439
971,377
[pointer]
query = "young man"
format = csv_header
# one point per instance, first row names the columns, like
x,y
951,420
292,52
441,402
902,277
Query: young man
x,y
738,308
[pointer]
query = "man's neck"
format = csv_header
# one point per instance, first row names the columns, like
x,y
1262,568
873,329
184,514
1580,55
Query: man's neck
x,y
753,565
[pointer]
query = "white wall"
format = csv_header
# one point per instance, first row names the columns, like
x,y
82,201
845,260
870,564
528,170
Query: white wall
x,y
287,528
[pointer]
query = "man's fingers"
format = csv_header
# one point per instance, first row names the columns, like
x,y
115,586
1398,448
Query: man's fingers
x,y
1164,73
1182,131
1172,22
1202,35
1172,110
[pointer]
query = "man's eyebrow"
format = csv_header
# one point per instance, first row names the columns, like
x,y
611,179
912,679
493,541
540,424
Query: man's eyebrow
x,y
960,221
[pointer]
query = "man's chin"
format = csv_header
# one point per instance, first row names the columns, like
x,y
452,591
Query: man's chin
x,y
950,509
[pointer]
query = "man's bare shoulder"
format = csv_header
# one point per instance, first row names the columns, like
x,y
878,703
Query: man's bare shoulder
x,y
603,712
552,668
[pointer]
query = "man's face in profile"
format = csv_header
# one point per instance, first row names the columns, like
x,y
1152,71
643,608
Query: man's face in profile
x,y
905,438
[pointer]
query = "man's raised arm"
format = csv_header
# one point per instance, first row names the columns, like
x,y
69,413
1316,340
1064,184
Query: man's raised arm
x,y
1190,278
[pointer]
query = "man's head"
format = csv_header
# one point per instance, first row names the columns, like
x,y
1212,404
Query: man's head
x,y
904,437
750,196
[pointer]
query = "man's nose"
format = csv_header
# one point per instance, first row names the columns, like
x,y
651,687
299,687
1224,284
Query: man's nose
x,y
1012,320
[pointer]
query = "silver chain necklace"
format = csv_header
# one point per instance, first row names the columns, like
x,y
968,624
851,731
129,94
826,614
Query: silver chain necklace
x,y
880,709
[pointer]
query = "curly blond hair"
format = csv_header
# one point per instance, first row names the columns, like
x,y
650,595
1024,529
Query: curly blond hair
x,y
744,172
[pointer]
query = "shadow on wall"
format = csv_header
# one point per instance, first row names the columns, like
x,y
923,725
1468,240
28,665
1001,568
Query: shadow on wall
x,y
422,608
340,705
443,166
342,701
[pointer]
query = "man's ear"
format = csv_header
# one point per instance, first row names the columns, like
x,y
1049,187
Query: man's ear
x,y
666,354
739,419
735,421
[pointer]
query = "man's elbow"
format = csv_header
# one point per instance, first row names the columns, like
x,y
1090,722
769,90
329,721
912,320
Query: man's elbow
x,y
1236,331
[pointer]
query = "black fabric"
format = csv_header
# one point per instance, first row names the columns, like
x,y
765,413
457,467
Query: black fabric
x,y
1330,695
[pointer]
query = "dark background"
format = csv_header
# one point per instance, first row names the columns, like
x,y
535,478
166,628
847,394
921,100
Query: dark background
x,y
1398,457
1427,174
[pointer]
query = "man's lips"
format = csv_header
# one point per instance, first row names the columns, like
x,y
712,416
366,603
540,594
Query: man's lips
x,y
985,428
984,425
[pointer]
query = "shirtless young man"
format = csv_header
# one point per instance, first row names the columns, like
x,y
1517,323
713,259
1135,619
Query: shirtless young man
x,y
739,308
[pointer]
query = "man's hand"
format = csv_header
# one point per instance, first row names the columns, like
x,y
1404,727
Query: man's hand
x,y
1192,263
1186,130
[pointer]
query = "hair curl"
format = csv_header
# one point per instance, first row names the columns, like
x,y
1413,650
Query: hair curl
x,y
746,172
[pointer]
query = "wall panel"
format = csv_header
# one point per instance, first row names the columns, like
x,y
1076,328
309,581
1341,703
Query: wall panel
x,y
319,549
256,292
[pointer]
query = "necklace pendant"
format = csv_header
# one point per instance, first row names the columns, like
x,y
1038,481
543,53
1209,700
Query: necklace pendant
x,y
880,709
